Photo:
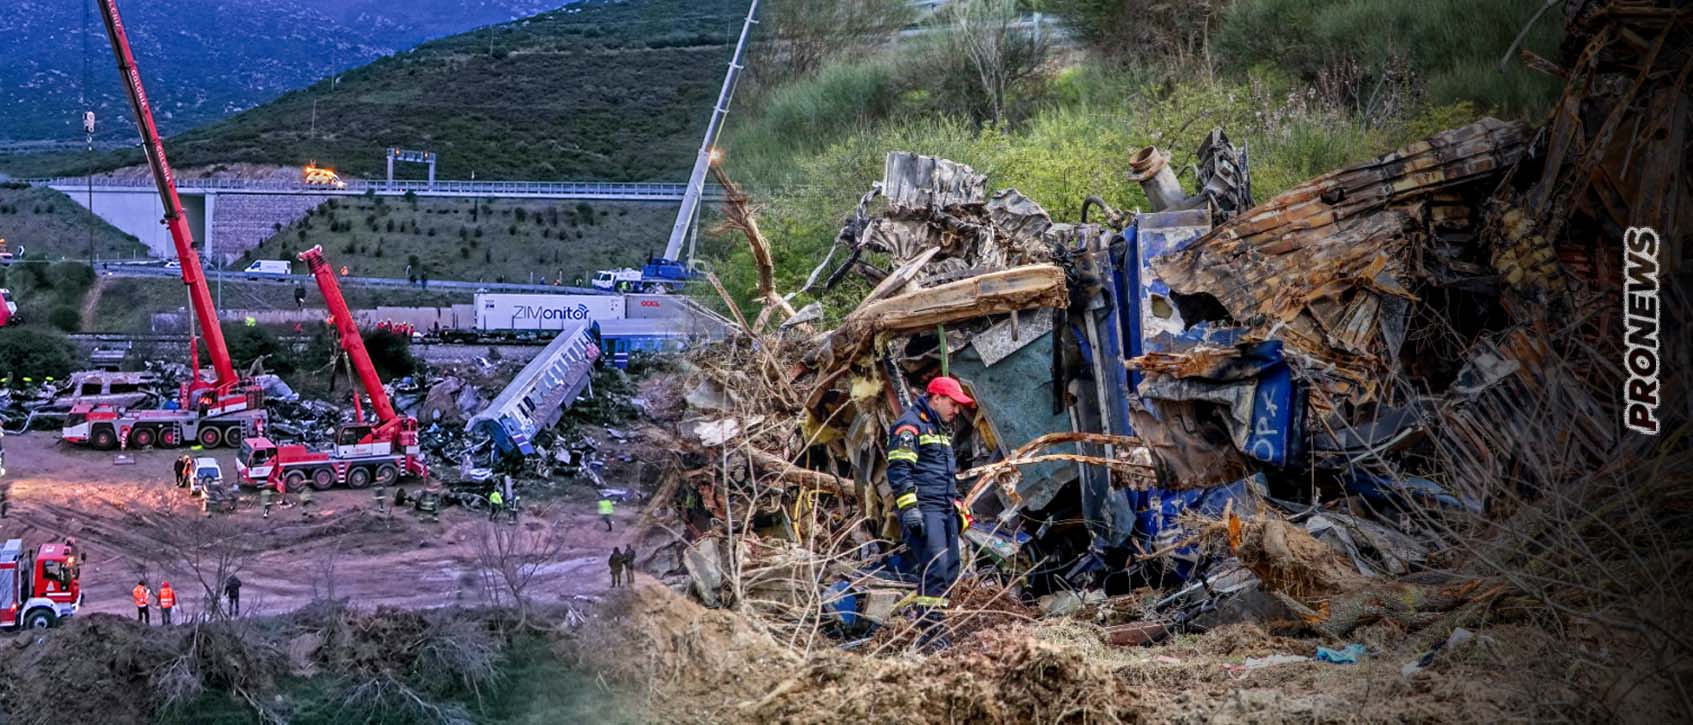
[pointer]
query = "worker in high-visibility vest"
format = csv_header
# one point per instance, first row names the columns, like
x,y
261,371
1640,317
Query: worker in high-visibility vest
x,y
167,602
142,596
496,503
607,508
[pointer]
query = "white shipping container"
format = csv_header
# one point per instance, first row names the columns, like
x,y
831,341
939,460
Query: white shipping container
x,y
539,311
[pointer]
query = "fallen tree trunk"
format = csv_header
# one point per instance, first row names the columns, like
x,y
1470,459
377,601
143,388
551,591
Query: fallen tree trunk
x,y
787,471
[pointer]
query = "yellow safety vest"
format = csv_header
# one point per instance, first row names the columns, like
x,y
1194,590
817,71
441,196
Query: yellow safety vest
x,y
605,507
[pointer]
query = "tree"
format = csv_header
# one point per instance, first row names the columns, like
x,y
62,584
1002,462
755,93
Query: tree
x,y
208,552
390,352
248,345
1001,53
65,317
34,353
810,33
510,557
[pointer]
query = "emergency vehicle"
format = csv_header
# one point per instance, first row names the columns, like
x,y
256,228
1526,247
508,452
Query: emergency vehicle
x,y
39,588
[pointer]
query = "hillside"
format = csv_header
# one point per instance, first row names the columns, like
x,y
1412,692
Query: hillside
x,y
477,240
1066,126
600,90
195,74
49,225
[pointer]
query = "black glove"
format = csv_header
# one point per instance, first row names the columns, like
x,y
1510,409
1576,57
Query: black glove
x,y
912,520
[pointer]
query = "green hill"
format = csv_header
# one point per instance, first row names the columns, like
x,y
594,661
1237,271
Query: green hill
x,y
602,90
476,240
49,225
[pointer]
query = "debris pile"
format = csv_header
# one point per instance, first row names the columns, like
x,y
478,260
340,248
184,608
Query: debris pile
x,y
1206,412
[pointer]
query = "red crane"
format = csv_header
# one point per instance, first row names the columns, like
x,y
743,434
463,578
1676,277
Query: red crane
x,y
219,412
192,274
363,453
351,341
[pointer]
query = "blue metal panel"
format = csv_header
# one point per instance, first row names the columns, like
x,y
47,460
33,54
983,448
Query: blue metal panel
x,y
1271,438
1158,515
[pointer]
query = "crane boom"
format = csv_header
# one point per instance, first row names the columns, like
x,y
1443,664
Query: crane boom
x,y
193,275
349,332
702,161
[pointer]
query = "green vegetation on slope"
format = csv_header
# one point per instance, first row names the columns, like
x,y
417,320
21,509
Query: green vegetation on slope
x,y
476,240
48,293
616,91
1361,50
50,225
809,147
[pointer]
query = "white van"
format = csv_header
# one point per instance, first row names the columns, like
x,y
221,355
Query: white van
x,y
266,268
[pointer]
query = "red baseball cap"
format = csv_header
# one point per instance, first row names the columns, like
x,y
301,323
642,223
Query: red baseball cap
x,y
950,388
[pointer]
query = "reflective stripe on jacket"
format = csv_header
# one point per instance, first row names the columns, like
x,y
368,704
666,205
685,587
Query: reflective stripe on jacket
x,y
167,597
920,460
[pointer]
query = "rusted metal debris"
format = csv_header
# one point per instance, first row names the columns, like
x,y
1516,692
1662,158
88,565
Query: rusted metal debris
x,y
1328,266
1373,336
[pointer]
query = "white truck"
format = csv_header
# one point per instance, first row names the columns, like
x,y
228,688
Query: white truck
x,y
267,268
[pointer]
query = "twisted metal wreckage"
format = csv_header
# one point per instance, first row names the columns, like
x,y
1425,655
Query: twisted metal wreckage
x,y
1379,339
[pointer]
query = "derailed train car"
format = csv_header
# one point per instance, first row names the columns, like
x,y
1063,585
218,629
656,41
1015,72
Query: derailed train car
x,y
1195,358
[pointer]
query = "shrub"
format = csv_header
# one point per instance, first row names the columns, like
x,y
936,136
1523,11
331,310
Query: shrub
x,y
34,353
65,317
247,344
70,276
1452,45
390,352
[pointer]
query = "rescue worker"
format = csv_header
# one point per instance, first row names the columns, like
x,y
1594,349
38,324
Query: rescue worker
x,y
232,591
141,596
181,466
380,495
629,565
265,497
167,602
920,472
607,508
496,502
306,501
616,564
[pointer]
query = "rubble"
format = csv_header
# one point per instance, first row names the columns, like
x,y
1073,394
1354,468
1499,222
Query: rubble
x,y
1215,411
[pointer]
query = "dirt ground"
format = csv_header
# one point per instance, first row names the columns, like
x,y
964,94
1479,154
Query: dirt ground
x,y
116,513
704,665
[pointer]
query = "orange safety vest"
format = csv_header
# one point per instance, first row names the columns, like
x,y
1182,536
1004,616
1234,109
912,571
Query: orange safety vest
x,y
140,596
167,597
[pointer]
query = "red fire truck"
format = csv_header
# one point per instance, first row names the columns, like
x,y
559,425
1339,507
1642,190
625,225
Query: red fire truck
x,y
39,588
220,411
364,452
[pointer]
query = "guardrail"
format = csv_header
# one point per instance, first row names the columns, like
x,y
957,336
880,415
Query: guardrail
x,y
138,269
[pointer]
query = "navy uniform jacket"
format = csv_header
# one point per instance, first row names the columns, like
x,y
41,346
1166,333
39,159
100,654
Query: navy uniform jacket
x,y
920,461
